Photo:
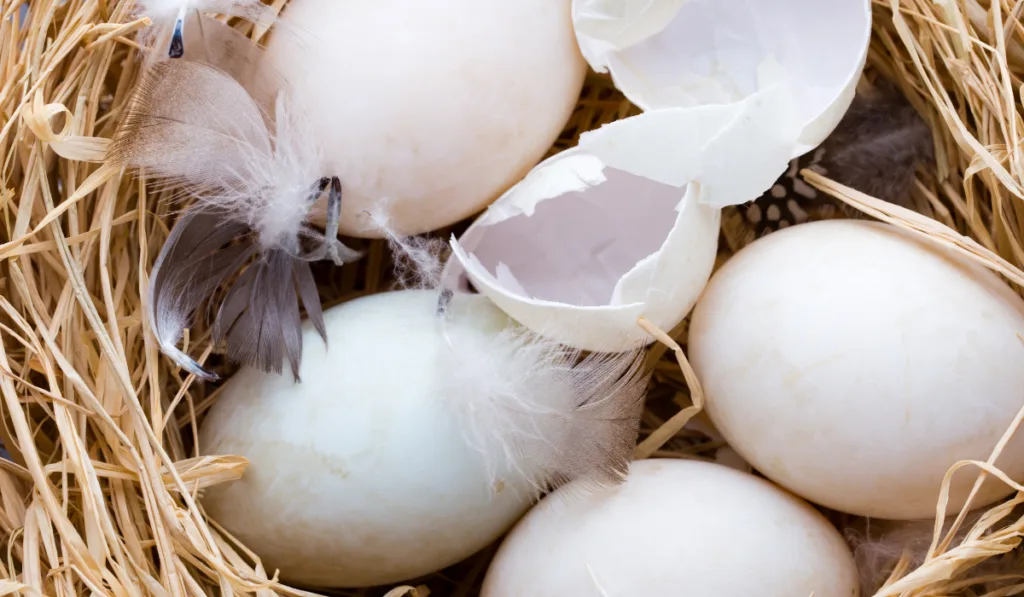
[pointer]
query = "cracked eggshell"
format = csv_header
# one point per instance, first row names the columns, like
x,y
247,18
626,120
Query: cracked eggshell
x,y
626,224
668,53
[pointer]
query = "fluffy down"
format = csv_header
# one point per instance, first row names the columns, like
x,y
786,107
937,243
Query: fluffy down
x,y
883,547
538,408
526,403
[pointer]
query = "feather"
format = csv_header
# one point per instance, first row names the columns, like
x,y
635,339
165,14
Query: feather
x,y
417,259
528,405
192,126
190,267
169,18
879,545
541,410
876,148
252,181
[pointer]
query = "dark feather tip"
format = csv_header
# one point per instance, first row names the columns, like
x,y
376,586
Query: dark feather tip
x,y
209,376
193,367
177,49
444,301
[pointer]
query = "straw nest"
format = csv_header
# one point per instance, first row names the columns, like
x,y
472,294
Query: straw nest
x,y
100,491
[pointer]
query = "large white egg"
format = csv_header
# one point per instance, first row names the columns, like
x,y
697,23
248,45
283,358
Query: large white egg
x,y
675,527
360,475
855,364
434,106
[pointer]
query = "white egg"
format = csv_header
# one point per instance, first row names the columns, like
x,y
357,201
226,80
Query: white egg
x,y
855,364
435,107
360,475
674,528
680,53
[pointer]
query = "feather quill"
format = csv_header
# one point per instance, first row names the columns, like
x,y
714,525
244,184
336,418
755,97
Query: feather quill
x,y
252,181
541,410
169,17
876,148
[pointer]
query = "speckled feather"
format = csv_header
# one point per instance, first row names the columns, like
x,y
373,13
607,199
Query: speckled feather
x,y
876,149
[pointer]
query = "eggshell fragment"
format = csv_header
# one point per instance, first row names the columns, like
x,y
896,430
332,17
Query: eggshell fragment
x,y
359,475
855,364
435,107
666,53
675,527
625,225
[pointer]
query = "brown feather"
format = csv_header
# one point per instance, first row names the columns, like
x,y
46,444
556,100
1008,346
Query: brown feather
x,y
192,125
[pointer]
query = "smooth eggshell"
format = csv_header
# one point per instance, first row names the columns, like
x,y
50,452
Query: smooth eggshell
x,y
432,107
675,527
854,364
359,476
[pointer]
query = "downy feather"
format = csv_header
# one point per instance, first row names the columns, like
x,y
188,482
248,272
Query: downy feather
x,y
879,545
544,411
527,404
252,181
877,147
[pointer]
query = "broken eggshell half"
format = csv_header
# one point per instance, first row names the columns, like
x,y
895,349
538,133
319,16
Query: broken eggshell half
x,y
626,224
679,53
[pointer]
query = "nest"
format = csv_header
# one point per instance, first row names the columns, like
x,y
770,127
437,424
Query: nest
x,y
99,493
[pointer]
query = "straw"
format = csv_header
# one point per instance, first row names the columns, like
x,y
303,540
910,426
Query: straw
x,y
102,492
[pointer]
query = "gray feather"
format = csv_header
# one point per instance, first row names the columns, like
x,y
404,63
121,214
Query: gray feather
x,y
310,299
188,270
253,183
878,147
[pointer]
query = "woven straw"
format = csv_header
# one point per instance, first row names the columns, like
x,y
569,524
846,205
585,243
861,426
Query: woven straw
x,y
100,492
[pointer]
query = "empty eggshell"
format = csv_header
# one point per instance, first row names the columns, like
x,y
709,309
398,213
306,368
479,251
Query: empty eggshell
x,y
675,527
665,53
854,364
436,107
625,225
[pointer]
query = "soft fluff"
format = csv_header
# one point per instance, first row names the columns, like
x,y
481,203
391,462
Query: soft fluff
x,y
528,404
